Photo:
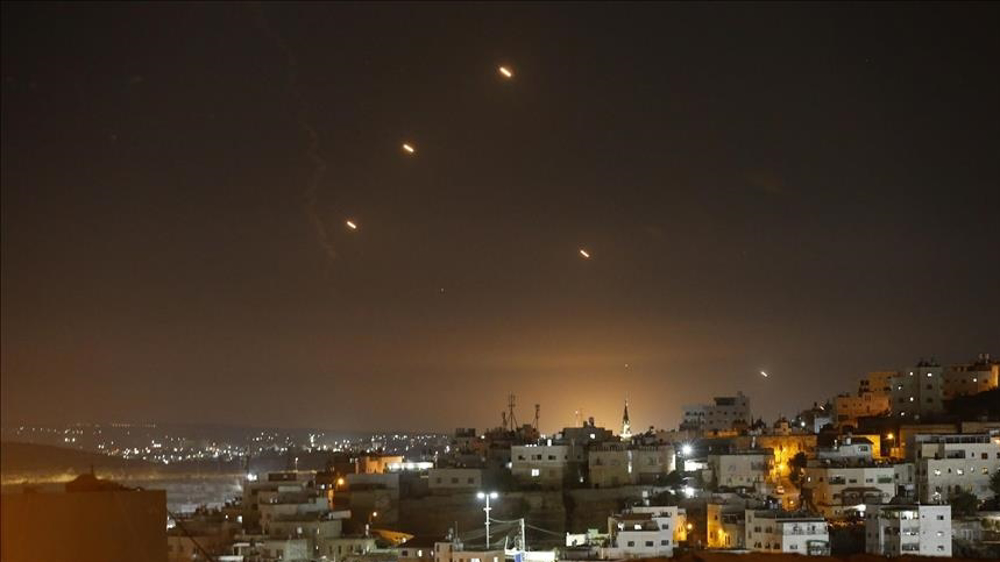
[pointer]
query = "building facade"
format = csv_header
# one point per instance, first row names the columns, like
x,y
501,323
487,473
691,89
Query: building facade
x,y
849,407
726,412
837,490
971,378
786,532
454,479
915,530
918,391
643,532
547,466
948,464
741,469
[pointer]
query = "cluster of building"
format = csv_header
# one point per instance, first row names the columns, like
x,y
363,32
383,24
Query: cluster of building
x,y
886,462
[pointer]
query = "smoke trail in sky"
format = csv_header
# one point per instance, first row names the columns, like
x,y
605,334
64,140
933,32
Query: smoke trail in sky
x,y
313,153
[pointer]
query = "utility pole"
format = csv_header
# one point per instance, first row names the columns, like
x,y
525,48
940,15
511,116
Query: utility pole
x,y
487,496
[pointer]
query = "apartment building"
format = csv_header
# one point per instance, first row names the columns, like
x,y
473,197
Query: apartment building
x,y
786,532
918,391
837,489
643,532
949,463
971,378
914,530
741,469
722,415
547,466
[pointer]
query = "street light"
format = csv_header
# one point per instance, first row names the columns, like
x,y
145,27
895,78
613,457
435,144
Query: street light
x,y
487,496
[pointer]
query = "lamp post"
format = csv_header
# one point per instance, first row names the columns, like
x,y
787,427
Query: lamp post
x,y
487,496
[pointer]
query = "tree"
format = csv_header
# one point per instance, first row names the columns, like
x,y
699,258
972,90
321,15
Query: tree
x,y
963,503
798,464
994,503
675,479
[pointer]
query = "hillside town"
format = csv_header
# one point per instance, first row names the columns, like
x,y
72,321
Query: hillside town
x,y
908,463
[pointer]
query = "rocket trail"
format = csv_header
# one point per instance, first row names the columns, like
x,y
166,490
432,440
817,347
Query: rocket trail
x,y
313,149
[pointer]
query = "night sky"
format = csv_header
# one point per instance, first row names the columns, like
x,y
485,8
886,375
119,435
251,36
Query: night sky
x,y
810,190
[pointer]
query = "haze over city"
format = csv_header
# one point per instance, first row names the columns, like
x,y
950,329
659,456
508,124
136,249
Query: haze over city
x,y
700,192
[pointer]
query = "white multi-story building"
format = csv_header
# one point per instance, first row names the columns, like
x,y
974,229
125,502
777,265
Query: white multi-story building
x,y
947,464
837,490
548,466
916,530
918,391
722,415
783,531
643,532
741,469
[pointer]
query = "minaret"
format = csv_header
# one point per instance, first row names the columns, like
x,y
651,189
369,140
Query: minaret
x,y
626,425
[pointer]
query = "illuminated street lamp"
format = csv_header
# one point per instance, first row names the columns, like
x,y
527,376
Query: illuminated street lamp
x,y
487,496
368,526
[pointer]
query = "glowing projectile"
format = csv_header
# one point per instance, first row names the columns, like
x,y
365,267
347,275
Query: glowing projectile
x,y
585,253
506,72
763,373
409,148
351,225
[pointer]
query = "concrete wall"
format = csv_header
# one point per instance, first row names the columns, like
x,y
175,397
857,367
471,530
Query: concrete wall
x,y
106,526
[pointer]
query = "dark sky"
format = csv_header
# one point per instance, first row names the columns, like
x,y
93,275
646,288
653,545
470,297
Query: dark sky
x,y
807,189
